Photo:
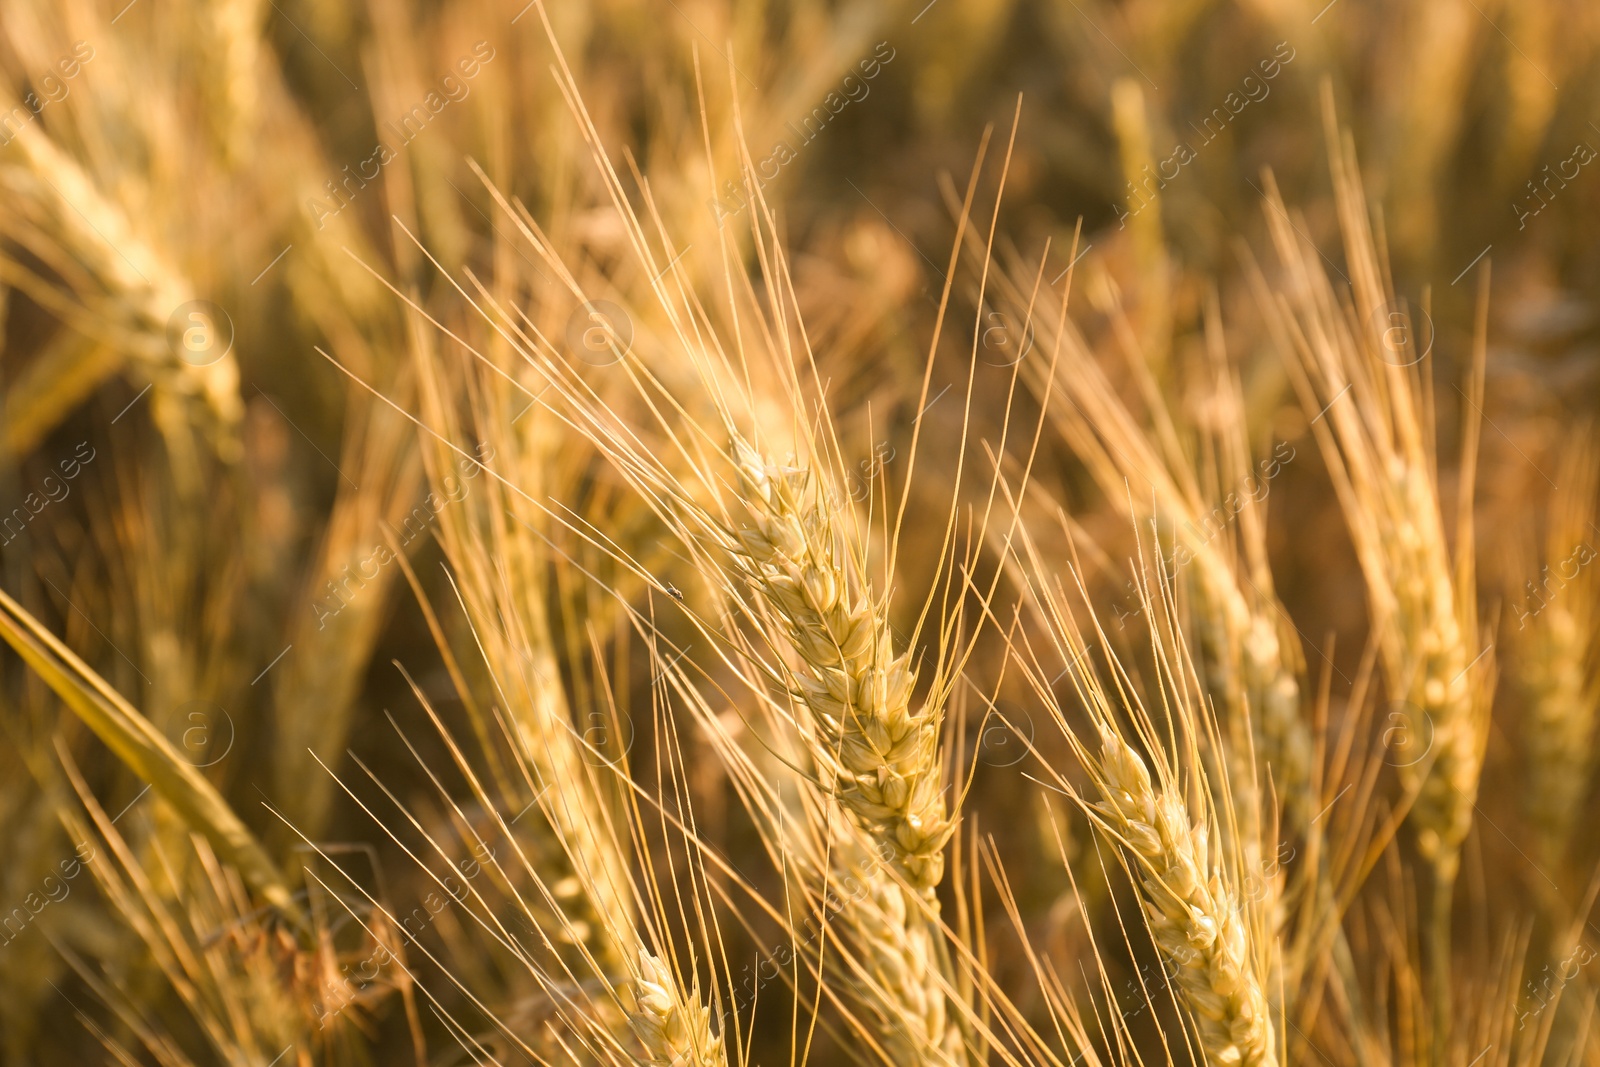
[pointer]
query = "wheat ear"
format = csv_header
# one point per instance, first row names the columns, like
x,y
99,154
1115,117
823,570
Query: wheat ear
x,y
880,758
879,762
1194,918
888,959
1561,727
1377,443
1556,631
673,1026
126,290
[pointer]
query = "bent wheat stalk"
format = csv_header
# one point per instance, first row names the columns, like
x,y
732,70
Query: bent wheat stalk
x,y
1377,447
145,751
1371,408
1178,828
1247,653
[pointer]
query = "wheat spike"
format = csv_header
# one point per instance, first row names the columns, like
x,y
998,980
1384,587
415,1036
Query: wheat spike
x,y
880,757
1562,703
1428,663
1377,444
673,1027
1241,656
880,762
1193,916
1555,627
128,289
499,564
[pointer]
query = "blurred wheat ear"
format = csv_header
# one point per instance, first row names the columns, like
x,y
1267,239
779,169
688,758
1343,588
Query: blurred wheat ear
x,y
1553,627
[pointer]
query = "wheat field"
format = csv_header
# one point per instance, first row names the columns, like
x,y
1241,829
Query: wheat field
x,y
720,533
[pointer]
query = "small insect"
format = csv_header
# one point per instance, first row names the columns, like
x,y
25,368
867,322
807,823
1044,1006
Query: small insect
x,y
674,592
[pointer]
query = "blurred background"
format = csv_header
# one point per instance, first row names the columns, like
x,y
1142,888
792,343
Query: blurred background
x,y
195,198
